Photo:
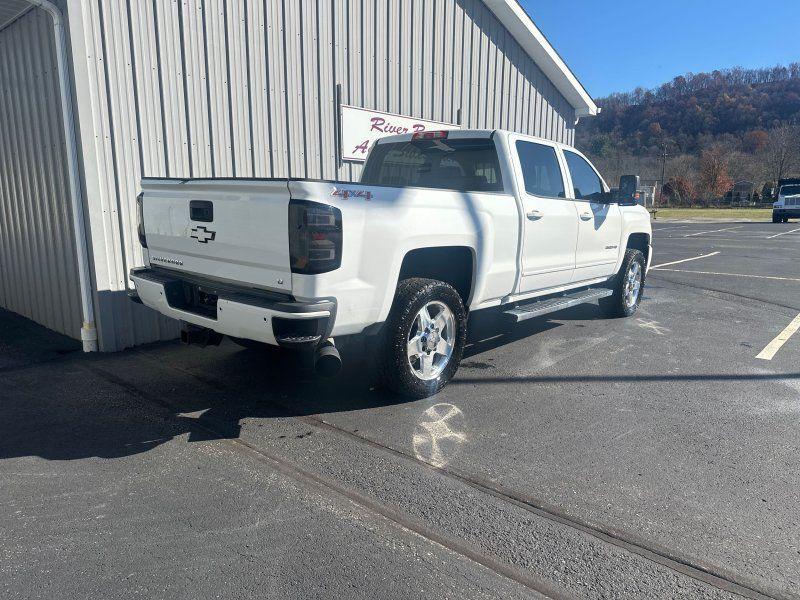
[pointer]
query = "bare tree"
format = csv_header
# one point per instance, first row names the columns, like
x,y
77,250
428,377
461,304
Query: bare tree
x,y
783,151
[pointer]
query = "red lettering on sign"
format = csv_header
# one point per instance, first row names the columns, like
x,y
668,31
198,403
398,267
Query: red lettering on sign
x,y
362,147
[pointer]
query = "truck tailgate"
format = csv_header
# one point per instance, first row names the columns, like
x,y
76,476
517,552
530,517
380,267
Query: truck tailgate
x,y
223,229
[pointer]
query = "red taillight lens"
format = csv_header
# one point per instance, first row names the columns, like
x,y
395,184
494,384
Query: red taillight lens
x,y
430,135
140,220
315,237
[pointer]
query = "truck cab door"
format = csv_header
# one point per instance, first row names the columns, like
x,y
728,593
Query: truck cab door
x,y
599,222
550,220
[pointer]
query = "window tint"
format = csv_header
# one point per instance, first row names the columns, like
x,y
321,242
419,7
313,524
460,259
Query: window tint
x,y
466,165
584,179
540,170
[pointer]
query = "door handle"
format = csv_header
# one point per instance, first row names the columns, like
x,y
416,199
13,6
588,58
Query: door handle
x,y
587,216
534,215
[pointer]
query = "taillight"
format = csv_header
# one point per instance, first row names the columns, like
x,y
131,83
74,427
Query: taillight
x,y
140,220
315,237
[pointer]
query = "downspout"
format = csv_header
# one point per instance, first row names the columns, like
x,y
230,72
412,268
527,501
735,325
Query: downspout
x,y
88,330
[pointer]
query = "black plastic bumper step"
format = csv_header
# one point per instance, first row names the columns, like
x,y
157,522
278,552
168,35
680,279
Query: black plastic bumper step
x,y
550,305
298,340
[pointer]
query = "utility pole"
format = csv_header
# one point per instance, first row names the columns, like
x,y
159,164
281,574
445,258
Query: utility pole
x,y
663,175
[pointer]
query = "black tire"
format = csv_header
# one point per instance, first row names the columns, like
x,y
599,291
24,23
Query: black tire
x,y
394,368
776,218
615,306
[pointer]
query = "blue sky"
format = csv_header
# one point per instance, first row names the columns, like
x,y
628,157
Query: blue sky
x,y
617,45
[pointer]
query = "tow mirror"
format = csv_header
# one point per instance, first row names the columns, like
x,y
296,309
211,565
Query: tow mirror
x,y
628,189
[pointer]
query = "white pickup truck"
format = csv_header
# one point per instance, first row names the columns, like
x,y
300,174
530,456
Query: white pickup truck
x,y
442,224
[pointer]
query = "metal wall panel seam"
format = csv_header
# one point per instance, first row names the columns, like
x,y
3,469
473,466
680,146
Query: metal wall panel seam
x,y
97,86
230,85
327,94
7,278
310,86
10,182
245,49
322,98
160,78
58,282
119,98
208,107
185,89
172,82
287,91
23,228
276,71
257,71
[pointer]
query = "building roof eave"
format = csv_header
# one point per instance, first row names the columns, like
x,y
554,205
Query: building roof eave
x,y
535,44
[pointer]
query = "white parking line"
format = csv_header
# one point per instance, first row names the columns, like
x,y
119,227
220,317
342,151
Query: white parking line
x,y
677,262
713,231
732,274
772,348
784,233
669,228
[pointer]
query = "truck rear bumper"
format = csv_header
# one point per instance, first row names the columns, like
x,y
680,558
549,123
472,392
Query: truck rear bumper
x,y
268,318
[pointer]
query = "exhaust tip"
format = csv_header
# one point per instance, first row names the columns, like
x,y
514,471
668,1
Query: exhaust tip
x,y
327,362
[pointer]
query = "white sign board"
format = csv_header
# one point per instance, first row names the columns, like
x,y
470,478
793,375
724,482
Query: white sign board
x,y
362,127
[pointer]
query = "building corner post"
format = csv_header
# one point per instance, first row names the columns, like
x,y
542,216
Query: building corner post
x,y
88,328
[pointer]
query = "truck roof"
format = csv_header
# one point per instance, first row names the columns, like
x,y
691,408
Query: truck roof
x,y
463,134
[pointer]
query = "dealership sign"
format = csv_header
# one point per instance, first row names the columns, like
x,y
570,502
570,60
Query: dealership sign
x,y
362,127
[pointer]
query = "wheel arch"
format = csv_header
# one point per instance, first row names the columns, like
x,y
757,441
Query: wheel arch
x,y
455,265
639,241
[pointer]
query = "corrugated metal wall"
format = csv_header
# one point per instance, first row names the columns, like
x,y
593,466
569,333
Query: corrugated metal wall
x,y
38,268
248,88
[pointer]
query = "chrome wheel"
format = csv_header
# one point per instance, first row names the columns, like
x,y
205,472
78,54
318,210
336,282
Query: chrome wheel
x,y
633,284
431,340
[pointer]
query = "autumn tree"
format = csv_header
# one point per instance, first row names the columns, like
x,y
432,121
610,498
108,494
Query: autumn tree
x,y
678,190
755,141
714,180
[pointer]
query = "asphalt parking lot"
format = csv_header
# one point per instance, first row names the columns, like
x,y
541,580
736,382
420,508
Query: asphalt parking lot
x,y
572,457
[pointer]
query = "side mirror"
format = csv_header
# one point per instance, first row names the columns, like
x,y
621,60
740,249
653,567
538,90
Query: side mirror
x,y
628,189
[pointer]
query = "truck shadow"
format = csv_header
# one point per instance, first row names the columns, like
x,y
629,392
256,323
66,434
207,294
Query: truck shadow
x,y
75,406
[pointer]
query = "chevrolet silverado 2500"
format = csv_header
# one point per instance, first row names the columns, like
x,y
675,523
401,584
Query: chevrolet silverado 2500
x,y
441,224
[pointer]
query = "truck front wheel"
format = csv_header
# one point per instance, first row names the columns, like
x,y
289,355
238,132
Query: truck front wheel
x,y
423,338
628,285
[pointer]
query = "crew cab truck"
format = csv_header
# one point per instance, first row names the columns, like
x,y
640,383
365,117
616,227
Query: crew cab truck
x,y
788,204
441,224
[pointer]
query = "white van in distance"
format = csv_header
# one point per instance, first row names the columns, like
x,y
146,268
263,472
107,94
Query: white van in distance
x,y
788,204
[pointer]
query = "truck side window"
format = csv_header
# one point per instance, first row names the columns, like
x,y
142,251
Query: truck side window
x,y
587,184
540,170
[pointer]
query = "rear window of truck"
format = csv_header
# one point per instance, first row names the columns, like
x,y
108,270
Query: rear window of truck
x,y
465,165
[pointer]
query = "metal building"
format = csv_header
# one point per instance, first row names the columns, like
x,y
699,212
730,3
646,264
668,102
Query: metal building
x,y
95,94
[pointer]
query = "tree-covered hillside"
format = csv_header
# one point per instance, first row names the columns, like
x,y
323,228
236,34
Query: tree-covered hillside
x,y
740,123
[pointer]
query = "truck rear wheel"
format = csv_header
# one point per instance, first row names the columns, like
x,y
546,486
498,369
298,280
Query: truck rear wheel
x,y
628,285
423,338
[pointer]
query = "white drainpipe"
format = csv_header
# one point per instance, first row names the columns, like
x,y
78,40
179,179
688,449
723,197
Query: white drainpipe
x,y
88,330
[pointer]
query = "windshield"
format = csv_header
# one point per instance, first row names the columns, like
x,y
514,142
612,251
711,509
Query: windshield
x,y
466,165
790,190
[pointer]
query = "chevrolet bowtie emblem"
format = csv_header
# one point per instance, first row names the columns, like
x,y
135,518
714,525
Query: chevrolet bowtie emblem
x,y
203,235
